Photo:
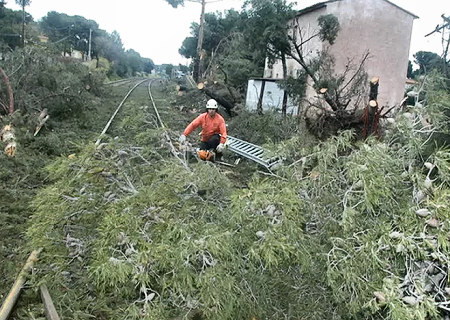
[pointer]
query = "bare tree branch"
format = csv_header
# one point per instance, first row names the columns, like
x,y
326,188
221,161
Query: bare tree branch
x,y
360,68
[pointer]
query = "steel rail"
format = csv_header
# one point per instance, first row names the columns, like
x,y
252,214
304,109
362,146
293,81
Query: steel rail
x,y
119,82
117,110
166,134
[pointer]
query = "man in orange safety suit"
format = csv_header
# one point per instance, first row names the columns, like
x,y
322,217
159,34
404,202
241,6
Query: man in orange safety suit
x,y
214,132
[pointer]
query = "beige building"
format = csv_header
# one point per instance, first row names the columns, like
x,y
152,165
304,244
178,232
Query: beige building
x,y
378,26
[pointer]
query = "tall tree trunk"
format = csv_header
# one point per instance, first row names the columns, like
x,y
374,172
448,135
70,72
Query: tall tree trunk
x,y
10,91
259,108
285,96
200,41
23,25
195,71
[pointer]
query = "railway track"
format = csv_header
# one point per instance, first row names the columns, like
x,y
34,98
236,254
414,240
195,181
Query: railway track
x,y
242,148
160,122
119,183
108,124
120,82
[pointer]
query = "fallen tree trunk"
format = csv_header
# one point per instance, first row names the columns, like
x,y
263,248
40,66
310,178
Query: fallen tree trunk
x,y
13,295
49,307
220,99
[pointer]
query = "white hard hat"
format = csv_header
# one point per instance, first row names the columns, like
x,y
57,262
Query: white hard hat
x,y
211,104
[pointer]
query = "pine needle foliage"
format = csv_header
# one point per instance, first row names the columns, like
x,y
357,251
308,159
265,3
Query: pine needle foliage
x,y
128,238
348,230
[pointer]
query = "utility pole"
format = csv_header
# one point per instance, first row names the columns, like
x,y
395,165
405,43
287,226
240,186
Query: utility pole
x,y
198,66
90,39
446,24
200,43
198,62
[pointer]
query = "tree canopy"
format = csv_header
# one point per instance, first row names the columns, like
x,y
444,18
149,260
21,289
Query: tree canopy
x,y
427,61
175,3
67,33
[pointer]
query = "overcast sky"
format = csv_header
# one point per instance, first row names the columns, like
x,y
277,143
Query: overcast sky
x,y
156,30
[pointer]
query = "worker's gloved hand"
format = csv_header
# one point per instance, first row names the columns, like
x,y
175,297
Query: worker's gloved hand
x,y
182,139
220,147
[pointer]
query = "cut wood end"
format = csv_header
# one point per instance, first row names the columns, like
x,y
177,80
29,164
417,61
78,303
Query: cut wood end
x,y
200,86
178,88
6,128
323,90
374,80
373,103
206,82
215,82
7,133
43,114
10,149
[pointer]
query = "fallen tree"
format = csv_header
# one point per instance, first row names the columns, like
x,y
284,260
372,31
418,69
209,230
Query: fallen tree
x,y
224,101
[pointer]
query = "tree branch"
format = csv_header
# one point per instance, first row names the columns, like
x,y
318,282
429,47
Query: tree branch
x,y
310,38
366,56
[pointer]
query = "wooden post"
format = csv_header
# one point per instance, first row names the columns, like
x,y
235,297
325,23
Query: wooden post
x,y
285,75
13,295
50,311
259,108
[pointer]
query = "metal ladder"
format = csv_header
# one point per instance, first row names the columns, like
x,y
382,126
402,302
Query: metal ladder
x,y
252,152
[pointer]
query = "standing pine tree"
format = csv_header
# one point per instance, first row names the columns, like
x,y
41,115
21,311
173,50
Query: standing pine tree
x,y
23,4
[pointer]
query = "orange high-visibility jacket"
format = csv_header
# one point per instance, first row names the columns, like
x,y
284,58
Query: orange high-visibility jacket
x,y
210,126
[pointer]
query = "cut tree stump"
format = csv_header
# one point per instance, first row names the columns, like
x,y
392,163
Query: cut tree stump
x,y
372,113
373,103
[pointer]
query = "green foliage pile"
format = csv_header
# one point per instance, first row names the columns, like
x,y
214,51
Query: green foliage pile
x,y
42,81
380,208
128,232
349,230
261,129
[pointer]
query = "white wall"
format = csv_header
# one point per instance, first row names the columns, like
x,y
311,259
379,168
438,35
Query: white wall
x,y
272,99
366,25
